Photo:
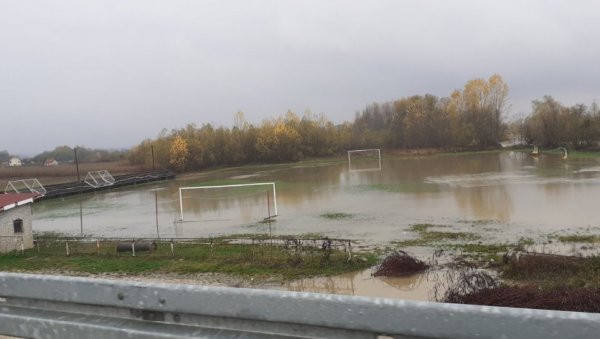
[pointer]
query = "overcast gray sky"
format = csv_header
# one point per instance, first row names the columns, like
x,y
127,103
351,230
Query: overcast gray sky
x,y
108,74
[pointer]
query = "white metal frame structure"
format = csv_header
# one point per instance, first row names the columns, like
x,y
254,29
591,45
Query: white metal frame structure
x,y
272,184
99,179
350,152
25,186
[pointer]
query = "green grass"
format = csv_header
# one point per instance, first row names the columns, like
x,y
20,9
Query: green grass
x,y
403,187
428,237
484,252
253,259
554,270
337,215
583,154
587,238
421,228
525,241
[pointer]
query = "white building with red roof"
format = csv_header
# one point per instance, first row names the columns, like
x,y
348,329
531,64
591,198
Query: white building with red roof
x,y
15,221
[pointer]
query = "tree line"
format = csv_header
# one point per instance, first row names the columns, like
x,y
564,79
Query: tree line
x,y
66,154
551,124
470,118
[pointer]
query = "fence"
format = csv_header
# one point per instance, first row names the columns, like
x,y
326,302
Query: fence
x,y
249,249
36,306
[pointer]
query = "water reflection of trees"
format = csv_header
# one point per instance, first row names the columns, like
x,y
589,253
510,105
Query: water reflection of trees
x,y
246,207
487,202
312,182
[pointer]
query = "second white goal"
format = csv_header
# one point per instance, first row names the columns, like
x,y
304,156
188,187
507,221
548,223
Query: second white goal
x,y
364,160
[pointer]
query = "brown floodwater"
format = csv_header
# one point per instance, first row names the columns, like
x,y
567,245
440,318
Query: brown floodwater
x,y
500,196
414,287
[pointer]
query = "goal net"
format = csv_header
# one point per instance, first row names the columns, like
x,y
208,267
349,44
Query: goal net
x,y
99,179
25,186
364,160
247,203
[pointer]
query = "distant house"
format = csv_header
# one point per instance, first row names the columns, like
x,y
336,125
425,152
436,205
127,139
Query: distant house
x,y
50,162
14,162
15,221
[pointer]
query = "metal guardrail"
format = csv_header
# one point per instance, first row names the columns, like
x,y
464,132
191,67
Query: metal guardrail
x,y
41,306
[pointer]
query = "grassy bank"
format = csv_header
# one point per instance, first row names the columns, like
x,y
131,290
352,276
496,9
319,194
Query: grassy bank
x,y
255,258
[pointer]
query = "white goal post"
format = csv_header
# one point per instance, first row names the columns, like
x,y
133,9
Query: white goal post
x,y
373,151
25,186
98,179
272,184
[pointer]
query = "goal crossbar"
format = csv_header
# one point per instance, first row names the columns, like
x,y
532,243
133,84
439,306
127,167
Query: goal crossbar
x,y
272,184
350,152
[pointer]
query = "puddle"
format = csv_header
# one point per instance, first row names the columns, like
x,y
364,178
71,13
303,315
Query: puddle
x,y
415,287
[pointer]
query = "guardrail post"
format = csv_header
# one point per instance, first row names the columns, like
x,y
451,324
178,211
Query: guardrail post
x,y
133,247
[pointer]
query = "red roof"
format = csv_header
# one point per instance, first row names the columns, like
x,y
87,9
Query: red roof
x,y
11,200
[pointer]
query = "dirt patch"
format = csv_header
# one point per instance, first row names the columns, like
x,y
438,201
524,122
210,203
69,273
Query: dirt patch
x,y
399,264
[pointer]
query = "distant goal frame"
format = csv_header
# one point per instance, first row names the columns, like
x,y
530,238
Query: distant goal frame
x,y
272,184
350,152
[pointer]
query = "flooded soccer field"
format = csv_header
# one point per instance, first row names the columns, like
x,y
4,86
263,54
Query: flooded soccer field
x,y
500,195
485,198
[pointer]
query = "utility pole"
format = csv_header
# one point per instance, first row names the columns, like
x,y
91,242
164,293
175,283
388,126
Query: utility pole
x,y
76,163
152,147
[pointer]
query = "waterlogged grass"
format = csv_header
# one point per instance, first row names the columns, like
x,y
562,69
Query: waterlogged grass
x,y
484,252
403,187
466,153
421,228
428,237
525,241
337,215
584,238
478,222
548,271
583,154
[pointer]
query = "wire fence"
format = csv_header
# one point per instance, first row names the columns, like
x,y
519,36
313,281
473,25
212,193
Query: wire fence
x,y
230,248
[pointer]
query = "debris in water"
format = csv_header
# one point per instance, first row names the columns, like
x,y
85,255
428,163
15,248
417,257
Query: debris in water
x,y
399,263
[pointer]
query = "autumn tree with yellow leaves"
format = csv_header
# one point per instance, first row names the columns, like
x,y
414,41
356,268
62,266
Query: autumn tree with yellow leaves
x,y
470,118
178,154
